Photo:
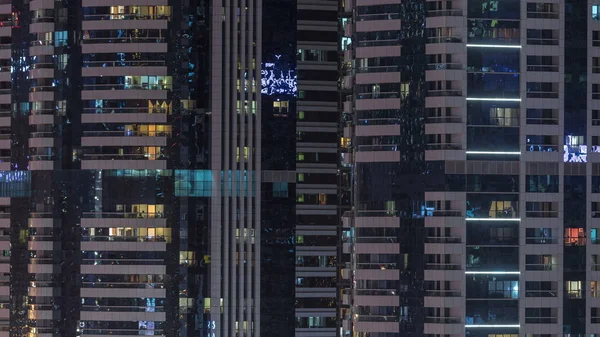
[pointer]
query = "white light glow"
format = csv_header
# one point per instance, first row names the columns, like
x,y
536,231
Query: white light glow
x,y
493,219
492,46
493,272
494,152
492,326
494,99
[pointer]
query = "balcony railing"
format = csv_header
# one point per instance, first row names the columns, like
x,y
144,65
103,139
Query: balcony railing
x,y
126,238
126,17
542,42
123,215
541,293
543,121
550,68
128,133
541,148
541,320
540,241
442,266
444,39
542,94
379,43
443,293
443,119
443,320
156,63
444,66
382,16
377,69
541,266
444,146
542,15
444,93
541,214
444,12
122,40
441,239
142,86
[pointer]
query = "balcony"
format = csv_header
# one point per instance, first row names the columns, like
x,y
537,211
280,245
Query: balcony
x,y
443,119
548,68
444,39
377,69
444,12
442,266
444,93
443,320
378,43
445,66
541,320
123,215
442,239
542,42
132,16
542,15
443,293
543,94
444,213
541,293
444,146
541,240
541,214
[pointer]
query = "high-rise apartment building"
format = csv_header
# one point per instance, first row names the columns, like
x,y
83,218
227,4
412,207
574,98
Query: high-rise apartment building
x,y
168,168
473,136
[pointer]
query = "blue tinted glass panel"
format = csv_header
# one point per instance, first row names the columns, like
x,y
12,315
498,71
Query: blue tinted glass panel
x,y
493,139
498,60
493,85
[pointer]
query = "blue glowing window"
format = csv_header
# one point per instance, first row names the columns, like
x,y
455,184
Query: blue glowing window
x,y
60,38
280,190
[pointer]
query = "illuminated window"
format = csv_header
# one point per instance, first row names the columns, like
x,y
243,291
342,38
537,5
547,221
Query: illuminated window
x,y
246,152
573,289
345,141
151,152
188,104
595,288
148,82
187,258
167,108
300,177
404,89
300,156
300,198
61,108
574,237
280,190
60,39
148,130
300,115
502,209
596,12
322,199
207,305
147,211
281,108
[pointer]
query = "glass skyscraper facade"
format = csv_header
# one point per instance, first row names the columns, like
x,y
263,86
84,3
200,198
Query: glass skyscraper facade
x,y
470,129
